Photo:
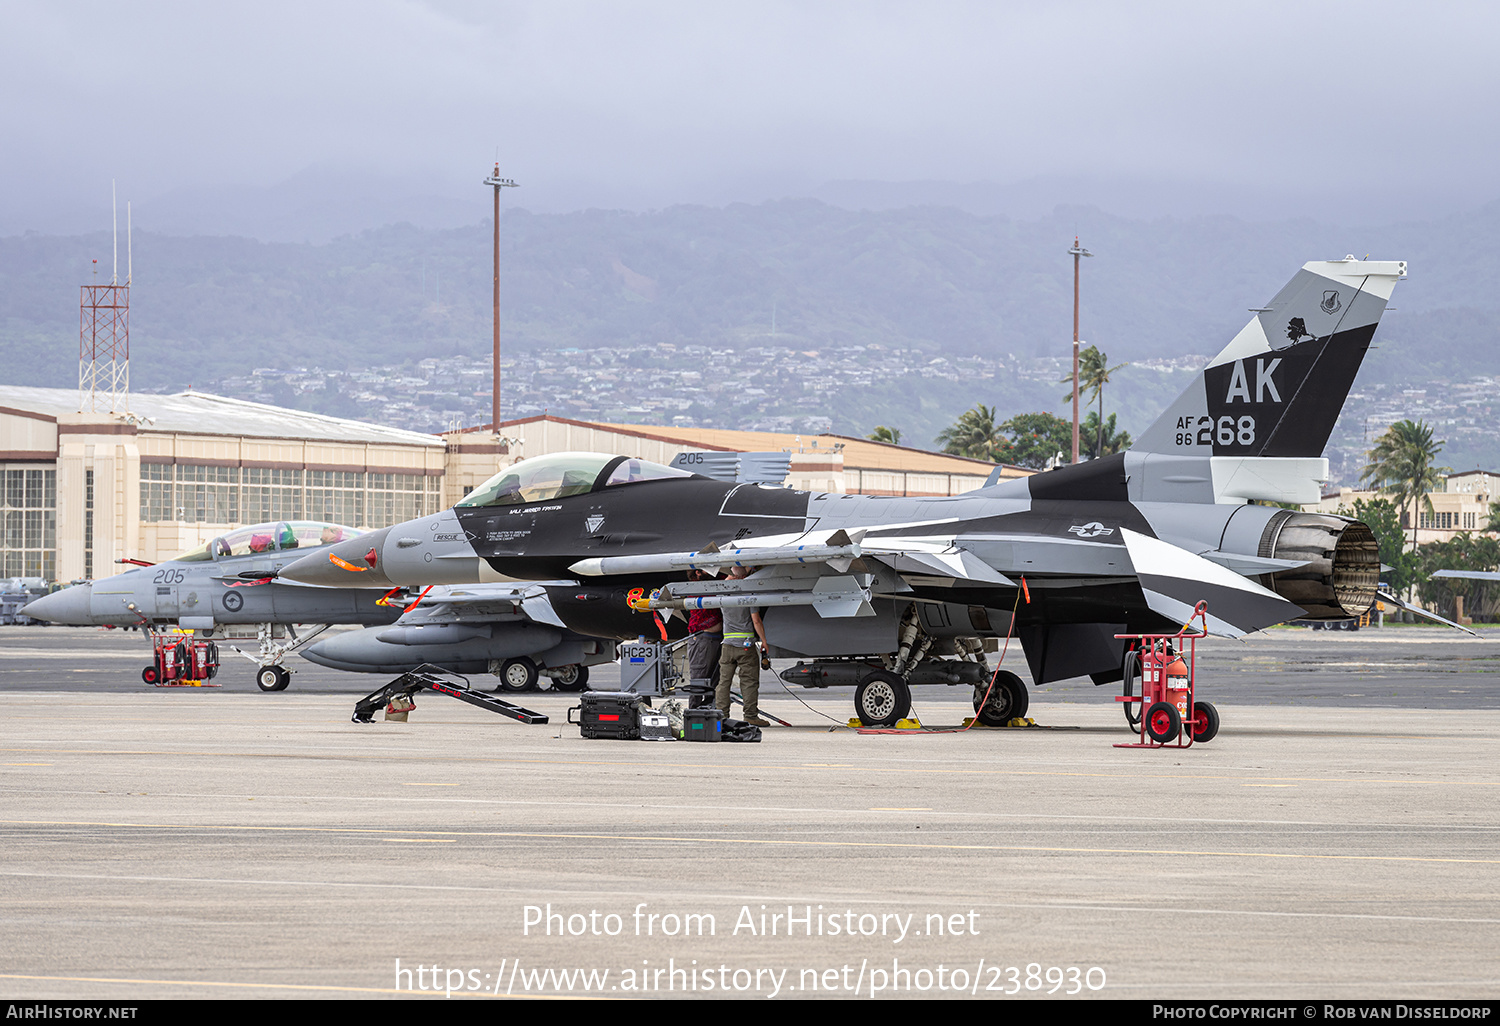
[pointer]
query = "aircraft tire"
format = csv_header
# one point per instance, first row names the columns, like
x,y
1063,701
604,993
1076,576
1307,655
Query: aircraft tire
x,y
574,677
272,678
1008,700
881,699
1162,723
1205,722
518,674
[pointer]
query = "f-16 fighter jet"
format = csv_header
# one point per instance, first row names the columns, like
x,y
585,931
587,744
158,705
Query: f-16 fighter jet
x,y
225,589
509,630
874,587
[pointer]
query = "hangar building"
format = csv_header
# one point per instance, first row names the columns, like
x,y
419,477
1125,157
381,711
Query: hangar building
x,y
85,489
82,491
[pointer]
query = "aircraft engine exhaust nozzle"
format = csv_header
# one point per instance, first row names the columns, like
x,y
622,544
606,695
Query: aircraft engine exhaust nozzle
x,y
1342,569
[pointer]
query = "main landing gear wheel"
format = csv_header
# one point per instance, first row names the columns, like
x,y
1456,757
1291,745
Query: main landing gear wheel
x,y
1205,722
1162,723
273,678
151,674
881,699
571,678
518,674
1008,700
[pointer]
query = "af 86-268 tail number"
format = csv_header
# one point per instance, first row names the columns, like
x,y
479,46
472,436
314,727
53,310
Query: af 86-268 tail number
x,y
1225,431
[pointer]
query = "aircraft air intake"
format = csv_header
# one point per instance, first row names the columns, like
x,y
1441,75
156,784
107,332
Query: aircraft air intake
x,y
1342,569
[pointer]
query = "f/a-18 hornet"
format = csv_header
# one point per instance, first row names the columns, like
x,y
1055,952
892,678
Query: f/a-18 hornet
x,y
1064,560
227,589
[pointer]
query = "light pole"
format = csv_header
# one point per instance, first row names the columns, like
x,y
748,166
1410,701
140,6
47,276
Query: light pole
x,y
499,183
1077,251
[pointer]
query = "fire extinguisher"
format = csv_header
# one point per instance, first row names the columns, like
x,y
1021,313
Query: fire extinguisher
x,y
1179,686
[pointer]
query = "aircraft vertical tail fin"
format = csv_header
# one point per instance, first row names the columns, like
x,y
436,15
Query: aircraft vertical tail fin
x,y
1278,387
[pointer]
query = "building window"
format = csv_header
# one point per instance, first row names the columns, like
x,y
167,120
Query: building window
x,y
397,497
28,547
337,495
256,495
88,524
208,495
272,493
156,493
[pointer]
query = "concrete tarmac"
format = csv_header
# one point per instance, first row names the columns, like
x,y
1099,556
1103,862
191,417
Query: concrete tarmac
x,y
215,843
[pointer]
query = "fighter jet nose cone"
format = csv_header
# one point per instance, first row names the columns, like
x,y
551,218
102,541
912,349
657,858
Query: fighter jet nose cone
x,y
68,606
355,563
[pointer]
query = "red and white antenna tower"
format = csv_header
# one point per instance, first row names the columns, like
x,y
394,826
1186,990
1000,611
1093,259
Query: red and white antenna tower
x,y
104,333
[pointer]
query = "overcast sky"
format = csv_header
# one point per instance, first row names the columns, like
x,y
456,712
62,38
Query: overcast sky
x,y
1368,110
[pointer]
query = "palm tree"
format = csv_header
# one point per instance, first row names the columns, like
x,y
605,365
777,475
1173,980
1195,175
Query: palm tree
x,y
1110,441
1401,466
882,433
973,434
1093,374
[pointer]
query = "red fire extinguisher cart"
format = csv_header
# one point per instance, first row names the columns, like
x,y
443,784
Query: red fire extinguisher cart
x,y
180,660
1166,711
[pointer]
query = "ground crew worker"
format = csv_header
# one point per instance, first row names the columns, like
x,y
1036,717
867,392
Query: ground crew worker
x,y
705,639
744,641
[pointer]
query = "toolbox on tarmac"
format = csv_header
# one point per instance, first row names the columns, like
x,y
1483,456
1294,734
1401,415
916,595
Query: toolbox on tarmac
x,y
609,714
704,723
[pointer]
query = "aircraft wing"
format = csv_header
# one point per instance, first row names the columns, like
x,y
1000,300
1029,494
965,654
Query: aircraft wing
x,y
473,601
1172,579
933,556
1469,575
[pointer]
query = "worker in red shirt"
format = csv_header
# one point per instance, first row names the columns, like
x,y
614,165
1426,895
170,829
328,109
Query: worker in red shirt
x,y
705,635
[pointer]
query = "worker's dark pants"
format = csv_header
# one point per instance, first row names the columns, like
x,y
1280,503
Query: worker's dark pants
x,y
703,656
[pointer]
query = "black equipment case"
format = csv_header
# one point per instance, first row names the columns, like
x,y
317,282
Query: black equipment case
x,y
609,714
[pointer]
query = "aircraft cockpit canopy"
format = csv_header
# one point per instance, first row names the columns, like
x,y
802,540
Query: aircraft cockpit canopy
x,y
561,474
277,537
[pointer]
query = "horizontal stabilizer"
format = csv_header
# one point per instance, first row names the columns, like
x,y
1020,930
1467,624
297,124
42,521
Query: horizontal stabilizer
x,y
1429,614
1174,580
737,467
